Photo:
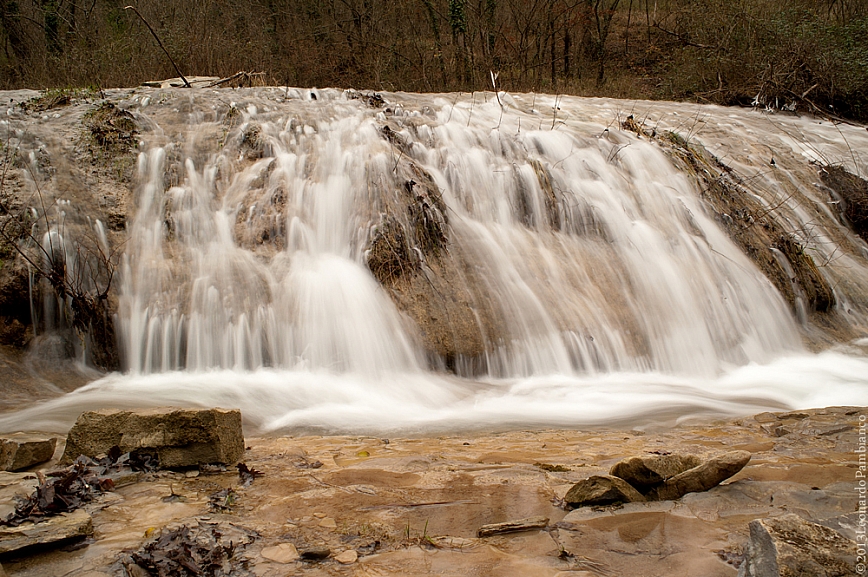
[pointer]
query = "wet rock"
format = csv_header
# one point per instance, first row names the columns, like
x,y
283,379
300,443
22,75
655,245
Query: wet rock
x,y
766,417
13,487
21,451
512,526
53,531
283,553
601,490
177,437
847,525
648,471
348,557
450,542
701,478
789,546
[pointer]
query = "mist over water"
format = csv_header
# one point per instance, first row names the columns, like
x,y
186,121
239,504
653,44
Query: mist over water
x,y
301,401
599,288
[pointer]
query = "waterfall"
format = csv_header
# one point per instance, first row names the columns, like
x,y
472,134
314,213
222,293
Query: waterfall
x,y
586,253
323,259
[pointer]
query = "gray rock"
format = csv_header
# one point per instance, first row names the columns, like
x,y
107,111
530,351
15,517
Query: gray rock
x,y
766,418
701,478
178,437
649,471
602,490
847,525
789,546
22,451
54,530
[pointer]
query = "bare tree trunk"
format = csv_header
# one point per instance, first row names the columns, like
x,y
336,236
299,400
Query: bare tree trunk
x,y
434,23
648,22
627,31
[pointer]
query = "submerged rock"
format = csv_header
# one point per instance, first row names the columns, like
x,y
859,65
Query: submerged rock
x,y
177,437
22,451
52,531
648,471
701,478
601,490
790,546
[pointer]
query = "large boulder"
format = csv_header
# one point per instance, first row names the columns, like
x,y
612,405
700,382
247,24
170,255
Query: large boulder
x,y
790,546
179,438
648,471
22,451
701,478
601,490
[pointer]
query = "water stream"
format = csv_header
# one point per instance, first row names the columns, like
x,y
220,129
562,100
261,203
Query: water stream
x,y
579,278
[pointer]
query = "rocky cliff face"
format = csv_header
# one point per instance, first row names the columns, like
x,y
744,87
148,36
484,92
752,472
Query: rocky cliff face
x,y
71,192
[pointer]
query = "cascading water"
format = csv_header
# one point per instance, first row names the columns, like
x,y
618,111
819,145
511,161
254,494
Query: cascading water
x,y
321,263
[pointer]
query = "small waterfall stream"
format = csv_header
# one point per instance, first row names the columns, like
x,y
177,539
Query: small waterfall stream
x,y
467,260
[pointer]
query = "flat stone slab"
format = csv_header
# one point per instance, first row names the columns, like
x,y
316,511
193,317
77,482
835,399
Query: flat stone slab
x,y
282,553
512,526
589,513
21,451
53,530
179,438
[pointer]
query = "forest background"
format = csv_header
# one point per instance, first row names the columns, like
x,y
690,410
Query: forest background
x,y
808,55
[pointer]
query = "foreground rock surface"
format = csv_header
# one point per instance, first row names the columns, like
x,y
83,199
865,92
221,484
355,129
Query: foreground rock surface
x,y
21,451
790,546
411,507
701,478
602,490
178,437
54,530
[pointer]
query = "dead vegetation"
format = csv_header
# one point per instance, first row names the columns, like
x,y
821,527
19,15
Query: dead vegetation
x,y
111,131
71,488
57,98
389,256
850,192
400,242
202,548
53,251
410,254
